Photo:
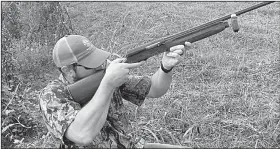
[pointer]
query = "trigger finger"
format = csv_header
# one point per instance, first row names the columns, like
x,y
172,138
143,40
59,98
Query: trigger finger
x,y
188,45
180,52
177,47
172,54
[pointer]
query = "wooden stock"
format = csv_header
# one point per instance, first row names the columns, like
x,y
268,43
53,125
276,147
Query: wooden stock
x,y
83,90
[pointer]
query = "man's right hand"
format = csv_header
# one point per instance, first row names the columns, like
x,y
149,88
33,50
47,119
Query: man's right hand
x,y
117,72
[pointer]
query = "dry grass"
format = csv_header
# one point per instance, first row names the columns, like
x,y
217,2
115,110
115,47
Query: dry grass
x,y
225,93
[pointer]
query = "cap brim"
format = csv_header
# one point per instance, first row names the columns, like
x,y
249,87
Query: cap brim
x,y
95,59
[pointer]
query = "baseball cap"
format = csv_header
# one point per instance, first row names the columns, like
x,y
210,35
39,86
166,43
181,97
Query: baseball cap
x,y
78,49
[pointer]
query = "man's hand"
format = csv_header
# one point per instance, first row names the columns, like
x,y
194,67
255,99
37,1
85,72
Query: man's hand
x,y
174,57
117,72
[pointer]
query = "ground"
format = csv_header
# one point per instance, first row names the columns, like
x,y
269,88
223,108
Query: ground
x,y
224,94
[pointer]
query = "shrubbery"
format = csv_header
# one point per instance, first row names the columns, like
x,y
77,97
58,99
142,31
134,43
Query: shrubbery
x,y
29,32
224,94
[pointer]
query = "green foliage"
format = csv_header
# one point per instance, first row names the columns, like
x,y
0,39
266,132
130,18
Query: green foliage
x,y
44,22
29,32
18,119
225,93
10,19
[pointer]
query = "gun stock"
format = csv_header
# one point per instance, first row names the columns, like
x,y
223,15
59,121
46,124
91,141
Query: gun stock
x,y
83,90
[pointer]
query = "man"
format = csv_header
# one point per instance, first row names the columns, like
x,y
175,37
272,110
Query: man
x,y
100,123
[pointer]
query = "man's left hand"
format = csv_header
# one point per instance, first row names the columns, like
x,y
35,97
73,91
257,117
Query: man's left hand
x,y
175,56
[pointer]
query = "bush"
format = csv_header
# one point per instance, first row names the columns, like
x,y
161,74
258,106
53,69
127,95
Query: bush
x,y
29,32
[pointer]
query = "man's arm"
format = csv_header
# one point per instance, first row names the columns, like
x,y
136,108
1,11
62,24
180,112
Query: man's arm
x,y
91,118
161,80
160,83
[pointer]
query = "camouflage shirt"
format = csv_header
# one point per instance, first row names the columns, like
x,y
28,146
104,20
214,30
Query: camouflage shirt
x,y
59,110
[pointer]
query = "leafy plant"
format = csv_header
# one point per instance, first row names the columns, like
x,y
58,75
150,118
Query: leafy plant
x,y
29,32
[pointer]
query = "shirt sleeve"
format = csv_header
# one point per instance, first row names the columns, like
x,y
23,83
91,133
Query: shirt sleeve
x,y
136,89
57,110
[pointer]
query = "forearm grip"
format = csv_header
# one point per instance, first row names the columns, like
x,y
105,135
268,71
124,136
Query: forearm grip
x,y
199,35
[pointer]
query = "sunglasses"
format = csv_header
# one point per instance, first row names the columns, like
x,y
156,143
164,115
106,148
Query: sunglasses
x,y
101,67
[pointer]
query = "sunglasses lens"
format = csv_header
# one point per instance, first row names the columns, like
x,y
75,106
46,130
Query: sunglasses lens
x,y
102,66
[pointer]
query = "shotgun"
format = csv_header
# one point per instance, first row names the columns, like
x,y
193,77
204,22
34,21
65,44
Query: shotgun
x,y
83,90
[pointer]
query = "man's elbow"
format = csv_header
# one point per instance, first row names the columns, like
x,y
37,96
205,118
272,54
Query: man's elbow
x,y
80,138
157,94
84,140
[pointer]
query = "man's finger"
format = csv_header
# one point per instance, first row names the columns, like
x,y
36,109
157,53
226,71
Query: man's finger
x,y
177,47
180,52
172,54
119,60
188,45
132,65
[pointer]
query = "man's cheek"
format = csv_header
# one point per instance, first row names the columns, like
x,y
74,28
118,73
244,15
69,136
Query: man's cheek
x,y
76,78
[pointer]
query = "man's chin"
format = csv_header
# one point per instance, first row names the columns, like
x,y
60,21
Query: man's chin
x,y
76,79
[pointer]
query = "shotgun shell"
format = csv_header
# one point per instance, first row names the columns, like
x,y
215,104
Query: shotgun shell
x,y
234,23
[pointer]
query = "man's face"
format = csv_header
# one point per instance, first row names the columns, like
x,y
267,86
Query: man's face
x,y
82,72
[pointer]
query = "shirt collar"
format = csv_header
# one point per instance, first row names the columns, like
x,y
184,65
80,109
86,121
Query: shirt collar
x,y
62,79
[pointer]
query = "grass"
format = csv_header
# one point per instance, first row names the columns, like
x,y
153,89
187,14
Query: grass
x,y
225,93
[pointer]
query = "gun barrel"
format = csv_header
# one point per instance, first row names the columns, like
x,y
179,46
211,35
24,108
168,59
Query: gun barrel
x,y
160,41
216,21
244,11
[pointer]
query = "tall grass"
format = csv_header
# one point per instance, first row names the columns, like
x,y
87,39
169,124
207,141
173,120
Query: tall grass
x,y
225,93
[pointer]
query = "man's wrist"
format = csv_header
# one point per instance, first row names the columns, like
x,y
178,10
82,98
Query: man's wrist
x,y
165,69
106,84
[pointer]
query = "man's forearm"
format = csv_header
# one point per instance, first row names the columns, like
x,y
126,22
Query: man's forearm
x,y
91,117
160,83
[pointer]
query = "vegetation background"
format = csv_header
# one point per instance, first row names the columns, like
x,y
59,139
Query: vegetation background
x,y
225,93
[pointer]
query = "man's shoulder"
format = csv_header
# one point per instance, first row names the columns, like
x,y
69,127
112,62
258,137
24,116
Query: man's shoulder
x,y
136,89
134,79
55,87
138,83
